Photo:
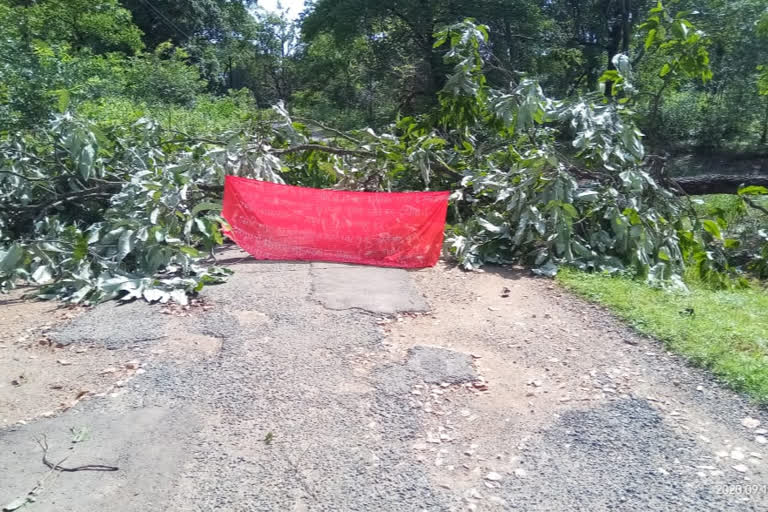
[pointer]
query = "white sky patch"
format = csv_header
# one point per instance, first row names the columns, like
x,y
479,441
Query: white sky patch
x,y
294,6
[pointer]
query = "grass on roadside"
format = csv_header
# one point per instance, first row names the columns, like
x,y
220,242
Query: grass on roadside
x,y
725,331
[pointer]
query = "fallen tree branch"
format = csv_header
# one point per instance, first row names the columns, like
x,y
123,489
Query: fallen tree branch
x,y
718,183
323,149
18,175
329,129
440,166
100,191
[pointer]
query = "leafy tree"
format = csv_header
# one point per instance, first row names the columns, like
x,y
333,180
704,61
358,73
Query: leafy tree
x,y
409,27
186,21
164,76
267,62
53,51
353,83
214,33
723,111
100,26
598,30
762,78
679,52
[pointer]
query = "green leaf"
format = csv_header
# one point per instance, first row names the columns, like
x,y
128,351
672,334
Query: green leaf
x,y
190,251
42,274
154,295
179,296
588,195
10,258
85,161
665,69
17,503
570,210
206,206
62,96
753,190
200,223
489,226
650,38
125,244
80,434
712,228
610,75
80,249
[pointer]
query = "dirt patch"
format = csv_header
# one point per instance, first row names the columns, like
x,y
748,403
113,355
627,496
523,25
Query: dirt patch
x,y
53,356
37,378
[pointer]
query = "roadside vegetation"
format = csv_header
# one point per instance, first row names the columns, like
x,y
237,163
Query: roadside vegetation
x,y
722,329
553,123
725,331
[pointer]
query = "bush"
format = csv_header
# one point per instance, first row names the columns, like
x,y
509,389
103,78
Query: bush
x,y
165,77
205,114
708,120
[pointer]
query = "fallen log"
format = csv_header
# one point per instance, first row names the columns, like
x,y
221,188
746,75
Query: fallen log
x,y
718,183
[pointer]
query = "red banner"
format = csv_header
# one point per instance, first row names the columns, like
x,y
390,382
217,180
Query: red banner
x,y
281,222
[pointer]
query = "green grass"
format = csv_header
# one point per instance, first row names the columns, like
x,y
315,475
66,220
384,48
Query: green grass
x,y
727,332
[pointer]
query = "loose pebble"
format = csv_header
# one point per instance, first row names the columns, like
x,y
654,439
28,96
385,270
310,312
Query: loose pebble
x,y
750,423
493,476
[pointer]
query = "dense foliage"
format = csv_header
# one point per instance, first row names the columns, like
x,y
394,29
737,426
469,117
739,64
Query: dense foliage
x,y
115,136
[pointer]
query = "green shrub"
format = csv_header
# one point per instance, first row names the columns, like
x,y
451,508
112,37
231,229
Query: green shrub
x,y
165,76
204,114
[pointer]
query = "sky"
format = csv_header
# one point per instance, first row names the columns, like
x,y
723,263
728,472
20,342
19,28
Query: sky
x,y
294,6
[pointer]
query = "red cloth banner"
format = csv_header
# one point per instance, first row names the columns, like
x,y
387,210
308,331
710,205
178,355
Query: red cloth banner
x,y
282,222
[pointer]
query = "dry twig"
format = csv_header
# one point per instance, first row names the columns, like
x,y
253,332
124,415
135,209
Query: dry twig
x,y
43,442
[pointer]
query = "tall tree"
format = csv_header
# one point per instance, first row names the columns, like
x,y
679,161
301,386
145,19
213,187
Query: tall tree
x,y
416,22
98,25
598,30
182,21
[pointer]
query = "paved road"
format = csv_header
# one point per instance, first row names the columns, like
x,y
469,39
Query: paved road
x,y
302,387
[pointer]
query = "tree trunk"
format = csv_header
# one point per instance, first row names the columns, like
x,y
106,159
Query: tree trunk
x,y
718,183
654,117
764,135
619,38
